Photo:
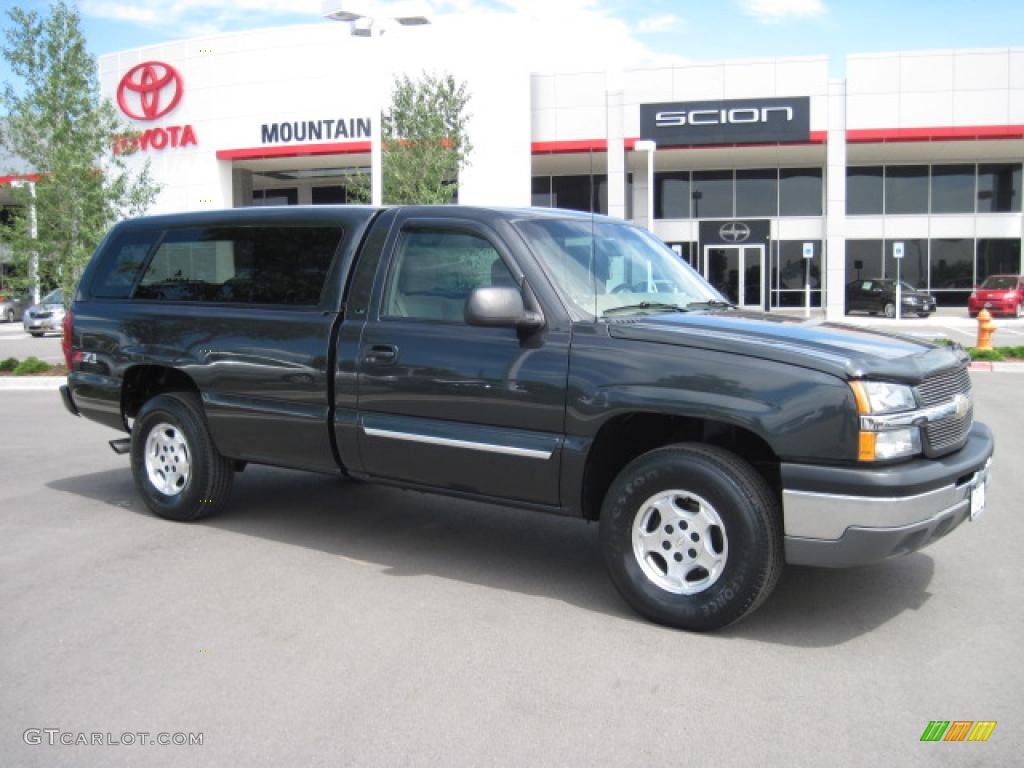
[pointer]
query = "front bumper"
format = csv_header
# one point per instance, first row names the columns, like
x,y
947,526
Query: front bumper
x,y
46,324
838,517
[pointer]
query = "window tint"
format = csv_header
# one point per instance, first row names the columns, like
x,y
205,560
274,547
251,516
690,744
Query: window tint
x,y
757,193
906,189
672,195
712,195
434,271
914,264
123,258
998,256
864,189
952,264
800,191
864,258
999,188
953,189
241,265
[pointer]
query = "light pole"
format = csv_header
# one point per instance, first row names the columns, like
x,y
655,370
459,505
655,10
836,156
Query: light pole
x,y
362,24
33,233
648,146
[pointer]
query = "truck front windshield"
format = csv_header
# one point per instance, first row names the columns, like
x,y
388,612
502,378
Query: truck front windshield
x,y
605,269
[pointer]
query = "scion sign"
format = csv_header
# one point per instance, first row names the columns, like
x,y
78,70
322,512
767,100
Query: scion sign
x,y
739,121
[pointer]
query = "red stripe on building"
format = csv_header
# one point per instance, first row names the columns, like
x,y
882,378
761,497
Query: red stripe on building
x,y
944,133
601,145
294,150
26,177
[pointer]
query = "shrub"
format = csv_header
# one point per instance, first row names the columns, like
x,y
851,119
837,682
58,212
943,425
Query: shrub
x,y
9,364
986,355
31,365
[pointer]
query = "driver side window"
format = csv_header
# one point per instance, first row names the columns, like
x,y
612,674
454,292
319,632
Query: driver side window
x,y
434,271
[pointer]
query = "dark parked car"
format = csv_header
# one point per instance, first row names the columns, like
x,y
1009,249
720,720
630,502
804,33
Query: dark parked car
x,y
1000,295
879,295
543,359
13,306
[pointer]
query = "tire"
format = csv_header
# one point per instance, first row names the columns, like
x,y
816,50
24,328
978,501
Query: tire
x,y
923,314
198,483
36,334
747,546
890,309
972,314
1019,312
10,315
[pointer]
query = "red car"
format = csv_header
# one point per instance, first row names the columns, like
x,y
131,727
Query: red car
x,y
1000,295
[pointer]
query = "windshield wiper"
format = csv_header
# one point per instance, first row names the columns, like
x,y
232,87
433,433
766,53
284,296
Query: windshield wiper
x,y
710,304
655,305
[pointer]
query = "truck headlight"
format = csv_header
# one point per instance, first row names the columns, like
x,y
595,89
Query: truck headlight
x,y
876,397
878,441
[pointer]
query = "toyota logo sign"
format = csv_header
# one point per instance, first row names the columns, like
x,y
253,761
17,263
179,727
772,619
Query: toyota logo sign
x,y
734,232
149,90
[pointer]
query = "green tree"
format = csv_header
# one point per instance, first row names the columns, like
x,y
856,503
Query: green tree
x,y
425,141
58,124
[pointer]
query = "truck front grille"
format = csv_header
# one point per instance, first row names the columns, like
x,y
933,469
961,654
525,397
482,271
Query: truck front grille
x,y
948,434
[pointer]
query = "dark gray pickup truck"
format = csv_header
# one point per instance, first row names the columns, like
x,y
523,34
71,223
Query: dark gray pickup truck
x,y
540,359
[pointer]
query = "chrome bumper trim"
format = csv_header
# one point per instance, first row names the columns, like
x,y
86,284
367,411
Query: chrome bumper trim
x,y
827,516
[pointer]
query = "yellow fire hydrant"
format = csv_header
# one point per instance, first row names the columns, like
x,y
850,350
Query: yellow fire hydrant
x,y
985,329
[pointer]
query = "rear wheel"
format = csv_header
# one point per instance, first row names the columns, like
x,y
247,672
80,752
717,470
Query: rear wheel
x,y
36,334
175,464
10,315
890,309
691,536
923,314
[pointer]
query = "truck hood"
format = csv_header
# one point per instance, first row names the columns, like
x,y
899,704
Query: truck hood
x,y
842,350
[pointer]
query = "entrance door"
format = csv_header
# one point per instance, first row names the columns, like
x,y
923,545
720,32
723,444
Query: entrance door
x,y
737,272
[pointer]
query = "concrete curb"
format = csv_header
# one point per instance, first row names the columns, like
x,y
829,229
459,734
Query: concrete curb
x,y
31,383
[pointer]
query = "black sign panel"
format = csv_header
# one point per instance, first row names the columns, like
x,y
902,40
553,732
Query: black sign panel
x,y
735,232
737,121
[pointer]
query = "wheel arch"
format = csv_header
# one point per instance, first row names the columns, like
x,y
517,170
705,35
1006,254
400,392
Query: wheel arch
x,y
143,382
626,436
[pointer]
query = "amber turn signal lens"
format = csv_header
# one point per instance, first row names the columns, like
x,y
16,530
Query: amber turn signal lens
x,y
866,446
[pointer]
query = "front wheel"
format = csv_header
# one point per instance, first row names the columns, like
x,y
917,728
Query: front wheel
x,y
10,315
691,536
890,310
177,468
36,334
923,314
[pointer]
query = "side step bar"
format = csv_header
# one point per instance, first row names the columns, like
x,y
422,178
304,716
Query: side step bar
x,y
121,446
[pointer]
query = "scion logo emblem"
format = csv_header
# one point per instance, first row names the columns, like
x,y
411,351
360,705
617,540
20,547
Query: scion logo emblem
x,y
734,232
149,90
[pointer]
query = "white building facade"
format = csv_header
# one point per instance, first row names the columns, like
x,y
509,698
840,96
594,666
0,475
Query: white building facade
x,y
768,175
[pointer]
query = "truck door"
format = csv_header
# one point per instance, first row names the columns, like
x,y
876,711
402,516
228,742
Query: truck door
x,y
449,405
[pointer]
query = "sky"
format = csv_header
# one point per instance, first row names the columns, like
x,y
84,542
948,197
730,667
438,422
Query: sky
x,y
580,34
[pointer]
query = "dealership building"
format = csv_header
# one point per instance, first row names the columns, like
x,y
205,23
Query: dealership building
x,y
762,174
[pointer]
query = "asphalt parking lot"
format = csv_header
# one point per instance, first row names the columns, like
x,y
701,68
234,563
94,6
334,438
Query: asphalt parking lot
x,y
319,622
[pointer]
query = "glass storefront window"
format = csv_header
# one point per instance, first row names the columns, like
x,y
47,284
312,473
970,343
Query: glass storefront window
x,y
864,189
672,195
800,191
913,268
863,259
541,192
757,193
712,195
906,189
999,187
579,193
998,256
789,273
951,264
953,189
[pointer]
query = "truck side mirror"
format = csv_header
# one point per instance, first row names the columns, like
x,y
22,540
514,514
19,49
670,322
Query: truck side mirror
x,y
500,306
